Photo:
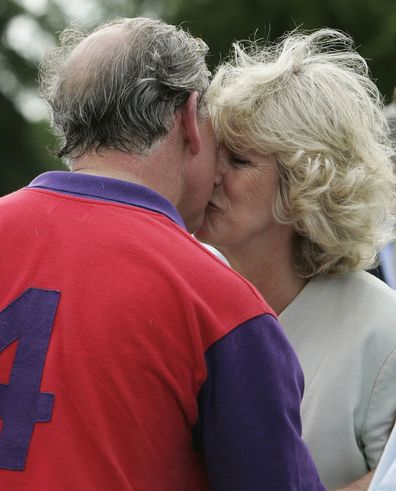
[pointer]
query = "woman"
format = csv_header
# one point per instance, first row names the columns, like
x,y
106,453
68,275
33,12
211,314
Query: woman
x,y
303,205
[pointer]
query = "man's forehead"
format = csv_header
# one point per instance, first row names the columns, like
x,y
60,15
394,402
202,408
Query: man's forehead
x,y
90,57
98,43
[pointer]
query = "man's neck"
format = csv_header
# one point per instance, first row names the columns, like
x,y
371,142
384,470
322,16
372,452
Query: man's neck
x,y
150,170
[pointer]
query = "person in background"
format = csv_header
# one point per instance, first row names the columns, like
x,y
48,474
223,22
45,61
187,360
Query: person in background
x,y
143,362
385,269
384,478
304,204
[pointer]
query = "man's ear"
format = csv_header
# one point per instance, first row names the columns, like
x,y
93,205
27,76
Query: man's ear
x,y
190,123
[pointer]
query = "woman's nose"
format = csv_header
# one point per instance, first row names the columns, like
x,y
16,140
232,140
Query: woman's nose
x,y
221,167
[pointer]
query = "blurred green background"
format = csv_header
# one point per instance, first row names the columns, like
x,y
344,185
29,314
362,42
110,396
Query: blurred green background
x,y
29,27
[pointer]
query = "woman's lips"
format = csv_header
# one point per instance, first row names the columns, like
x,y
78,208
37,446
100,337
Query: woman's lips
x,y
213,206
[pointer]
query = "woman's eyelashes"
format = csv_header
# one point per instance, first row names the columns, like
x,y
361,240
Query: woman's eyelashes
x,y
237,160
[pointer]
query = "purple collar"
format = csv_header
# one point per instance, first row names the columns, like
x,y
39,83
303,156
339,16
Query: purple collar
x,y
107,189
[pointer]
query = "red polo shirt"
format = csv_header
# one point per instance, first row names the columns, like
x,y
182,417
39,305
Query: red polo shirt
x,y
143,362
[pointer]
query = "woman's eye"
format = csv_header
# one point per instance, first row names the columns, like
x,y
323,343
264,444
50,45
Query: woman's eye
x,y
237,161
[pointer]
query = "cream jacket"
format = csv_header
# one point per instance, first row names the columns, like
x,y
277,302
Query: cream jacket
x,y
344,333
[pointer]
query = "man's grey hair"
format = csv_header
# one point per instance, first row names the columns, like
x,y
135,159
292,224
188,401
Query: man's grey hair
x,y
126,97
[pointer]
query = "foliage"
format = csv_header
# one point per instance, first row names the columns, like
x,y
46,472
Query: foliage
x,y
24,145
28,147
371,23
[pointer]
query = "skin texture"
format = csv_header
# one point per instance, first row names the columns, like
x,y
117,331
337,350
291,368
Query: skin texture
x,y
240,223
359,485
239,212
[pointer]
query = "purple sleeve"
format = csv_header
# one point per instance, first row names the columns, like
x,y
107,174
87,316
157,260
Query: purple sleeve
x,y
250,428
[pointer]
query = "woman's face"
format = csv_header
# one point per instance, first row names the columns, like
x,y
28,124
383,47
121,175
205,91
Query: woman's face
x,y
240,209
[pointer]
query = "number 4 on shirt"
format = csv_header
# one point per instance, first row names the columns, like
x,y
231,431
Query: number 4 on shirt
x,y
28,319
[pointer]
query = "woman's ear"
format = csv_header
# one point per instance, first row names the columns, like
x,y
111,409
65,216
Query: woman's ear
x,y
190,123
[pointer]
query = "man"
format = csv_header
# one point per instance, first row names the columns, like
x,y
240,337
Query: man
x,y
143,362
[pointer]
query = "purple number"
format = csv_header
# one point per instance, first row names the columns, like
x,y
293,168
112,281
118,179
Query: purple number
x,y
29,319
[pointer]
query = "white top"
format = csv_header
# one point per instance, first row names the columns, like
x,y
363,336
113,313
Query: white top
x,y
385,476
344,333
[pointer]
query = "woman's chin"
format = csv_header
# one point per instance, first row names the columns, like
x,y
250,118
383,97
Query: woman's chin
x,y
202,235
210,232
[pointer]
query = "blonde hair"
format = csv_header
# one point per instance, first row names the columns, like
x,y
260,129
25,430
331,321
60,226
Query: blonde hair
x,y
309,100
